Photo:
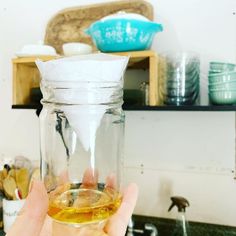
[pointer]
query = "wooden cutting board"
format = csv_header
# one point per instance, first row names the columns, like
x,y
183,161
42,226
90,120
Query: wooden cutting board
x,y
69,24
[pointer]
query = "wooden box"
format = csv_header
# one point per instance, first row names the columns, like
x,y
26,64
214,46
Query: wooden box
x,y
26,75
146,60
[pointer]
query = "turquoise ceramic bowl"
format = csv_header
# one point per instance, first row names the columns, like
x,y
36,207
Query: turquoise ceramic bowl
x,y
222,97
117,35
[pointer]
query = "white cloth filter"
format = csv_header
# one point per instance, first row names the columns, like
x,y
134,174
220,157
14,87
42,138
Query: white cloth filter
x,y
98,67
92,69
85,121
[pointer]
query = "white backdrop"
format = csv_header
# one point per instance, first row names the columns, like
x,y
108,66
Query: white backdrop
x,y
207,27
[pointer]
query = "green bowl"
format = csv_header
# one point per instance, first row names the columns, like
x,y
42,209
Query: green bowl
x,y
231,85
212,72
222,97
221,67
222,77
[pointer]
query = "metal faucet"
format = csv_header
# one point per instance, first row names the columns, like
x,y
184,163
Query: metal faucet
x,y
131,229
150,227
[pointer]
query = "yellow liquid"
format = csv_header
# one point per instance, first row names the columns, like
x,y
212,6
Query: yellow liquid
x,y
79,206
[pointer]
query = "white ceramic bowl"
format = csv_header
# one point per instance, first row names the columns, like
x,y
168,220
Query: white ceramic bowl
x,y
36,50
72,49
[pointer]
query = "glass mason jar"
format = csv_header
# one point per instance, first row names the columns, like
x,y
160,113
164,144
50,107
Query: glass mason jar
x,y
81,141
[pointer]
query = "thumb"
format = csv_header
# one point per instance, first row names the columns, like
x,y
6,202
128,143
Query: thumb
x,y
31,218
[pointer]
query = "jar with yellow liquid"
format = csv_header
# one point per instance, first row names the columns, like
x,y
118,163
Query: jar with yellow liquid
x,y
81,137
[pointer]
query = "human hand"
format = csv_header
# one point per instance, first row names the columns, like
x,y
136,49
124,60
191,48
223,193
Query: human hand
x,y
33,220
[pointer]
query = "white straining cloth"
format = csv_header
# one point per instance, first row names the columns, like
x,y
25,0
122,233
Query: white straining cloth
x,y
92,68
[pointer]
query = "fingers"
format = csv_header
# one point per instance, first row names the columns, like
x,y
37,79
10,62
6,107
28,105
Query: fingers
x,y
70,230
64,177
47,227
31,218
90,178
117,224
59,190
111,181
89,232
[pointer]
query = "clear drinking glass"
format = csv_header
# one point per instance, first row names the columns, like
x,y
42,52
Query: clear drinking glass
x,y
81,135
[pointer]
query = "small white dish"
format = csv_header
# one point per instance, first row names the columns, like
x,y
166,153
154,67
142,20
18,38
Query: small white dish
x,y
36,50
76,48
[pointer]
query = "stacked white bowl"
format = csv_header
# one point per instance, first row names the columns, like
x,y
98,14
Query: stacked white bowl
x,y
222,83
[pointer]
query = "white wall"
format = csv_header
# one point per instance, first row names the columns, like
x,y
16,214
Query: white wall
x,y
190,154
200,170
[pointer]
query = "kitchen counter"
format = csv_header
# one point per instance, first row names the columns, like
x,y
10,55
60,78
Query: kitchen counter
x,y
166,226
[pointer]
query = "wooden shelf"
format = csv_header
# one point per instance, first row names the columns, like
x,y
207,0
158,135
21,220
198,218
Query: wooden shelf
x,y
26,75
31,60
196,108
146,60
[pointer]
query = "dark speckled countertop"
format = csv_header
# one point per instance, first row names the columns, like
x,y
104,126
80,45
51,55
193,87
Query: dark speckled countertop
x,y
165,227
